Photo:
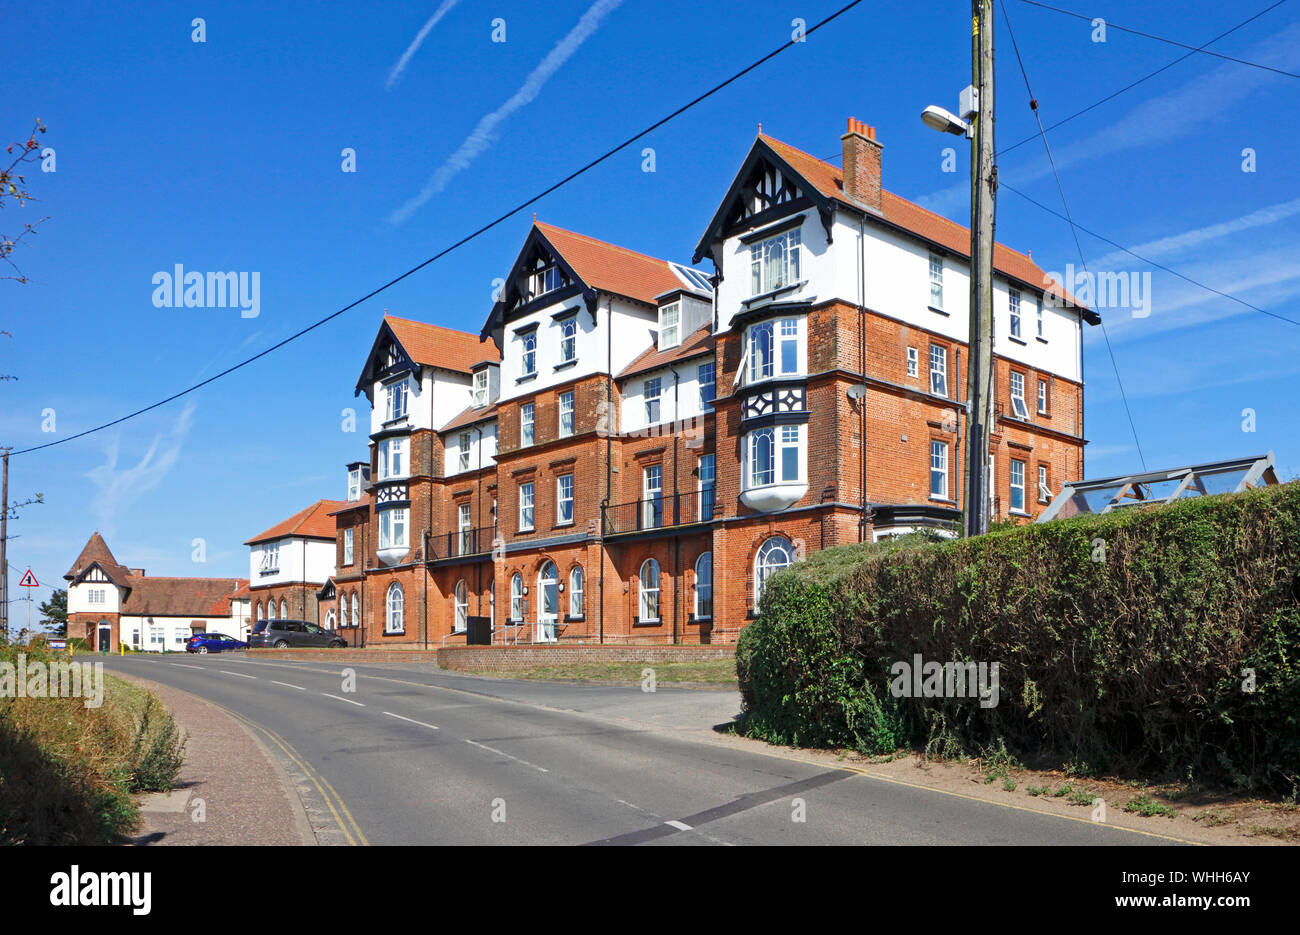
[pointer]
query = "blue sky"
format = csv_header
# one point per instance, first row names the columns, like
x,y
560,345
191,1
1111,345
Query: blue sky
x,y
226,155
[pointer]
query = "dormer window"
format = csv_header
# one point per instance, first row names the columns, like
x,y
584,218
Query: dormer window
x,y
354,485
670,331
395,401
480,388
775,262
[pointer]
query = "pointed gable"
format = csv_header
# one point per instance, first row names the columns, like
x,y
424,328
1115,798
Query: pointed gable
x,y
403,345
769,185
313,522
556,264
97,552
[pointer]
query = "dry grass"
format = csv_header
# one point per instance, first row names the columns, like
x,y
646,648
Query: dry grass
x,y
68,772
721,672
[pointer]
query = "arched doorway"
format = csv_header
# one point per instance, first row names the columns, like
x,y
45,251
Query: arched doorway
x,y
548,605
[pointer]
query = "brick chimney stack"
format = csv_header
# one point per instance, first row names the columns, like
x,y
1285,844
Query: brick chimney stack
x,y
862,164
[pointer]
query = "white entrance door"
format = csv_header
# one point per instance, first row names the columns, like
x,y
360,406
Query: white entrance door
x,y
548,609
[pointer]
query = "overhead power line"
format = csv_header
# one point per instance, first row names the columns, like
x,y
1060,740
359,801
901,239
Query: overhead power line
x,y
1033,106
459,243
1147,35
1147,77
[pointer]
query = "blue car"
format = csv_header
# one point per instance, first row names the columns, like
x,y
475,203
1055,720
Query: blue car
x,y
204,643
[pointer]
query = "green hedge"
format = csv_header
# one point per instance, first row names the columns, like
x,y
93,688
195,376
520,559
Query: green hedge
x,y
1121,641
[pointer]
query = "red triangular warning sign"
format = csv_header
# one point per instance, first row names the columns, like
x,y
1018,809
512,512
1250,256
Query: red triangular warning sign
x,y
29,580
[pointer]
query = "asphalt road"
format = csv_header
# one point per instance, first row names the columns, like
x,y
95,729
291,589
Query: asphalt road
x,y
415,755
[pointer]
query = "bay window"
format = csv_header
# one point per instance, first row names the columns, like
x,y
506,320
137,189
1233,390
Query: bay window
x,y
392,458
776,348
392,528
395,403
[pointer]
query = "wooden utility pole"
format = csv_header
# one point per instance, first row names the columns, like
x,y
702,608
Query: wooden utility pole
x,y
983,182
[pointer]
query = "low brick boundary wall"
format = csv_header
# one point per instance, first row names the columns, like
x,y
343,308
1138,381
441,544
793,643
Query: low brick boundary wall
x,y
349,655
479,658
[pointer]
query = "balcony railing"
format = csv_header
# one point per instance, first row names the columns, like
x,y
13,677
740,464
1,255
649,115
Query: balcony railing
x,y
463,542
661,512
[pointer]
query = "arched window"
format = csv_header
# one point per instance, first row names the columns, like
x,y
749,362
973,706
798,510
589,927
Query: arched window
x,y
517,597
649,590
462,606
356,616
704,586
548,602
284,610
270,609
259,610
330,620
396,620
773,555
575,591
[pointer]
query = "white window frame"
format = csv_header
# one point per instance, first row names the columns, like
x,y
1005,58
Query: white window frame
x,y
526,506
460,599
1013,306
938,469
563,497
528,353
652,392
913,362
356,612
1040,318
707,472
759,441
1016,384
569,339
393,528
936,281
1042,397
462,455
392,452
354,485
464,523
480,388
349,542
395,400
566,414
1020,487
938,370
652,496
703,599
1044,491
575,591
709,370
670,325
270,558
648,591
517,597
768,271
527,425
395,609
765,567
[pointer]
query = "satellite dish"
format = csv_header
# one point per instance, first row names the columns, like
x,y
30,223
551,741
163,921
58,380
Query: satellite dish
x,y
857,391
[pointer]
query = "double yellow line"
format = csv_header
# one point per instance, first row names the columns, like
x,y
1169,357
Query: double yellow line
x,y
333,801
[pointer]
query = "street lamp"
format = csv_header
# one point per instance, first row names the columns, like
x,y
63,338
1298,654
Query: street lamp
x,y
936,118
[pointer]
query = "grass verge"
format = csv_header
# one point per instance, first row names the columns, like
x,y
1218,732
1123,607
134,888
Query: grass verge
x,y
720,672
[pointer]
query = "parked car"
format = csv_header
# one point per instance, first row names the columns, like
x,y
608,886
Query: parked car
x,y
281,634
204,643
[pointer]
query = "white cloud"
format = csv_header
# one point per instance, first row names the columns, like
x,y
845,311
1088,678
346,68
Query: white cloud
x,y
484,134
1179,242
119,488
418,41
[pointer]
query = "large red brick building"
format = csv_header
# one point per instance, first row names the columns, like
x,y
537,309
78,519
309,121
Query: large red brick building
x,y
631,447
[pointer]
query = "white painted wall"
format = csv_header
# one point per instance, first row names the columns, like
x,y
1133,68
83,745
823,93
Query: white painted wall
x,y
310,560
482,444
685,406
898,285
79,598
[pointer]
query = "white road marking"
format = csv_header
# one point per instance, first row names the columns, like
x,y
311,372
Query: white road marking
x,y
348,700
238,674
679,825
287,685
540,769
412,720
184,666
